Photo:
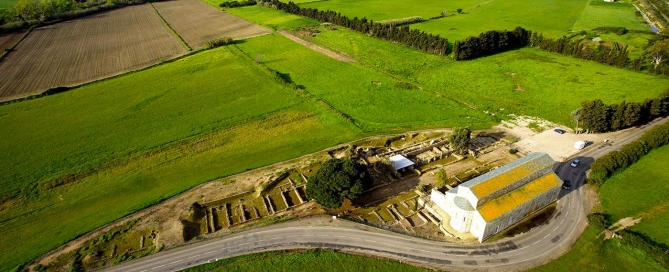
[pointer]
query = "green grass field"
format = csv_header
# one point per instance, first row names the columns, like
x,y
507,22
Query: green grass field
x,y
348,88
385,10
523,81
135,140
149,135
617,14
591,253
311,260
636,42
271,18
526,81
552,18
5,4
641,191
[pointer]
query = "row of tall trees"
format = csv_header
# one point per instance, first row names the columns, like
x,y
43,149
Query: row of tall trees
x,y
491,42
595,116
235,4
615,55
616,161
400,34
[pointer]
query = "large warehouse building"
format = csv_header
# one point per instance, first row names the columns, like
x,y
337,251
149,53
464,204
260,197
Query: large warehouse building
x,y
500,198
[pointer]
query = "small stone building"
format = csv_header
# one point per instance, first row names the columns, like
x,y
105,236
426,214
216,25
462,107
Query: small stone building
x,y
500,198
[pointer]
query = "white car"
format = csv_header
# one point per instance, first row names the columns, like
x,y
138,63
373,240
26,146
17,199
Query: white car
x,y
574,163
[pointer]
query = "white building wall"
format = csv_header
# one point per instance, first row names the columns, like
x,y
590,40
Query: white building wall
x,y
467,193
440,199
478,226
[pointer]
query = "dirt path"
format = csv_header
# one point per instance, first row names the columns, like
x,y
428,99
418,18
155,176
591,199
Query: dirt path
x,y
339,57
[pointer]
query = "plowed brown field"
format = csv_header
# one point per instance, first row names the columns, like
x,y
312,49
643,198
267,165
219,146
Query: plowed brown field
x,y
197,22
7,40
86,49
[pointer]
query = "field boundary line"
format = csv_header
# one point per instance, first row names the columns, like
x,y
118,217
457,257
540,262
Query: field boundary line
x,y
183,42
11,48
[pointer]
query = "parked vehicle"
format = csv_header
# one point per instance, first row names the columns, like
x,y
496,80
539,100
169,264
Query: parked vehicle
x,y
566,185
575,162
560,131
579,145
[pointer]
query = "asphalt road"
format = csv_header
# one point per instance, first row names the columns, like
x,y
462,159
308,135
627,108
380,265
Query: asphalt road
x,y
527,250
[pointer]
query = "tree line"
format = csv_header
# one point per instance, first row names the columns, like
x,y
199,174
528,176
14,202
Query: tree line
x,y
616,55
616,161
491,42
656,53
235,4
595,116
399,34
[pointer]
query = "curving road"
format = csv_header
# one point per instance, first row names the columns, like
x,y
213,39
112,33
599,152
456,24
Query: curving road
x,y
531,249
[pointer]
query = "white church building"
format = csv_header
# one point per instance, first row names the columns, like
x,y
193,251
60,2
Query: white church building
x,y
500,198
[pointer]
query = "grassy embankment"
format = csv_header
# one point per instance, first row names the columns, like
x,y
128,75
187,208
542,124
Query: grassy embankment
x,y
315,260
641,191
591,253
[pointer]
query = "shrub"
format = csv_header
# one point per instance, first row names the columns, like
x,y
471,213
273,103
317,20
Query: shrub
x,y
599,220
441,177
218,42
459,139
513,151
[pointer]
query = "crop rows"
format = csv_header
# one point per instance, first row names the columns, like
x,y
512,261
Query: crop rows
x,y
86,49
197,23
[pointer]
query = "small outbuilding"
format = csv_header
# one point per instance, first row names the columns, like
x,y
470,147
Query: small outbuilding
x,y
400,162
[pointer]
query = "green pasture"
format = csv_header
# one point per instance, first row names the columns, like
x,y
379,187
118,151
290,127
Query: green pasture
x,y
5,4
635,41
526,81
552,18
148,136
314,260
617,14
385,10
592,253
371,98
641,191
271,18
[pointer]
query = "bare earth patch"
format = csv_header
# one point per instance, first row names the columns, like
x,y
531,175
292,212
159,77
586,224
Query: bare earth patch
x,y
559,146
82,50
197,22
619,226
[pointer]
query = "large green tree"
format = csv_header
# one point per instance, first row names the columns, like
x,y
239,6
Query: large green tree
x,y
338,179
459,139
